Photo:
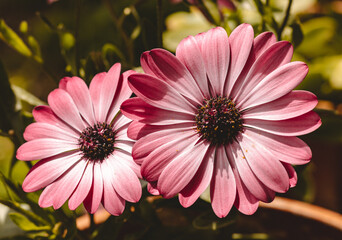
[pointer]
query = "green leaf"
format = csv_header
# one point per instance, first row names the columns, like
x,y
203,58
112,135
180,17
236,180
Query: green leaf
x,y
25,224
13,40
26,96
35,48
297,34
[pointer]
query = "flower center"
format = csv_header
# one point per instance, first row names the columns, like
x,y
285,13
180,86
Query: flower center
x,y
97,142
218,120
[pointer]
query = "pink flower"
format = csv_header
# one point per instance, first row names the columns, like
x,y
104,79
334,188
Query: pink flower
x,y
81,139
221,113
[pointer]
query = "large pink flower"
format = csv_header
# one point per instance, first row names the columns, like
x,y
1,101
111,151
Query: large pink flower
x,y
81,139
221,113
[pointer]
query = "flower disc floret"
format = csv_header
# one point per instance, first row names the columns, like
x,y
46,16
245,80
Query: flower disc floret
x,y
97,142
218,120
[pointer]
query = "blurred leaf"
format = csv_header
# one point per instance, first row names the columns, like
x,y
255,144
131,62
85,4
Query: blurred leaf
x,y
35,48
112,53
24,95
317,34
25,224
297,34
13,40
181,24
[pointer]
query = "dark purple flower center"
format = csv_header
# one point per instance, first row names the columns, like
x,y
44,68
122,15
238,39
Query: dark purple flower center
x,y
97,142
218,120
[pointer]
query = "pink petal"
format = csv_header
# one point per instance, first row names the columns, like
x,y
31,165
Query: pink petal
x,y
108,88
79,92
245,202
269,170
275,56
120,124
45,114
45,130
137,129
152,188
287,149
222,186
64,107
160,157
189,53
63,82
128,160
200,182
262,42
137,109
216,56
292,174
150,142
291,105
165,66
159,94
95,92
60,190
48,170
301,125
275,85
243,171
94,197
181,170
42,148
83,188
240,42
112,201
122,93
125,182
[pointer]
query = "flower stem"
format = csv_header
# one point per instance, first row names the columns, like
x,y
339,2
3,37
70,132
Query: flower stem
x,y
286,18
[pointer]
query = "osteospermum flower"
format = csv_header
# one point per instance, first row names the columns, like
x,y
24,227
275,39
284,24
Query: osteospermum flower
x,y
81,139
221,113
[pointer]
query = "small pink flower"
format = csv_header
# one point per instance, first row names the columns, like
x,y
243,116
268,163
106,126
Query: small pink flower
x,y
81,139
221,113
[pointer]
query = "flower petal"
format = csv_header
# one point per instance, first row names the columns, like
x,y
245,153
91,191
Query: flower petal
x,y
122,93
83,188
108,88
216,56
64,107
297,126
200,182
42,148
165,66
95,92
126,182
243,171
150,142
60,190
269,170
48,170
112,201
240,42
287,149
291,105
189,53
275,85
45,114
38,130
181,170
79,92
137,109
152,188
159,94
292,174
93,200
275,56
222,186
